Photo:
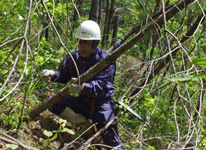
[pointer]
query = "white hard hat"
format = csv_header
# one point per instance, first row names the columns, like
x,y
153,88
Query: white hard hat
x,y
89,30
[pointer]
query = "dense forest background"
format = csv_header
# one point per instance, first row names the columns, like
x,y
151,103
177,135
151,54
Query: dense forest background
x,y
159,48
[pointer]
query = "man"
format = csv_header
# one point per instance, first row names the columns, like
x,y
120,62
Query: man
x,y
94,97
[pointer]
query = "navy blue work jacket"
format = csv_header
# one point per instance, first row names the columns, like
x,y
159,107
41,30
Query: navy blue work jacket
x,y
100,85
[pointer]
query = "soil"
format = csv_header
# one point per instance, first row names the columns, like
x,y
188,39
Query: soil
x,y
32,135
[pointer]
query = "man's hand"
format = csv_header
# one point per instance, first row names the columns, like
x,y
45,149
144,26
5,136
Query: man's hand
x,y
48,73
75,88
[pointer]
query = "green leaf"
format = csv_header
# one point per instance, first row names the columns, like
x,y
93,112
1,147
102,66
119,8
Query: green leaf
x,y
183,78
63,122
15,5
49,4
53,138
20,17
45,1
202,75
34,16
12,146
201,62
65,130
48,133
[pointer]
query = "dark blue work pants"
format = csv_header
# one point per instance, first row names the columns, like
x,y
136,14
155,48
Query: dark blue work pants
x,y
101,113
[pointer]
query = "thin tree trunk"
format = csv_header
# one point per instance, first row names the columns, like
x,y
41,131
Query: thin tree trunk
x,y
155,34
94,10
80,4
115,29
139,26
100,12
111,13
162,63
105,24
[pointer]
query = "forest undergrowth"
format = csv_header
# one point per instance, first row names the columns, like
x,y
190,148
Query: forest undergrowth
x,y
160,52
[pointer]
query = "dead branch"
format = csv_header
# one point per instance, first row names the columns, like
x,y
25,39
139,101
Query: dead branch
x,y
108,59
8,139
96,134
139,26
163,62
18,56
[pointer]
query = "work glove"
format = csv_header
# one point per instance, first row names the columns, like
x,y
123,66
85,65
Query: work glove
x,y
75,88
48,73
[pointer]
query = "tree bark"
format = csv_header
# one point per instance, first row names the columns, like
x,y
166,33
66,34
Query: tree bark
x,y
105,24
111,13
156,32
100,12
94,10
115,29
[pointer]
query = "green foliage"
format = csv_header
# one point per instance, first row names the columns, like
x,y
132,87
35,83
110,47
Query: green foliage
x,y
52,135
12,146
200,62
49,134
46,51
203,144
183,78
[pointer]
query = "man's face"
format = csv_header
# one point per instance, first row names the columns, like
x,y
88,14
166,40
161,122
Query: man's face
x,y
85,48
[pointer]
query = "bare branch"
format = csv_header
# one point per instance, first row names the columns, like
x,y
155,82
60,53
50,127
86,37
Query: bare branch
x,y
108,59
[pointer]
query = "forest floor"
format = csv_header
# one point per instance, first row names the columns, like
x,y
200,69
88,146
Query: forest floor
x,y
33,134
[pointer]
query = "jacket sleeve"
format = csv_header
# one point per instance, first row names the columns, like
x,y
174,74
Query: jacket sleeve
x,y
65,71
101,85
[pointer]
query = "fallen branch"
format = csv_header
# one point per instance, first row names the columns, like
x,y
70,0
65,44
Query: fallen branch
x,y
68,145
8,139
108,59
162,63
96,135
